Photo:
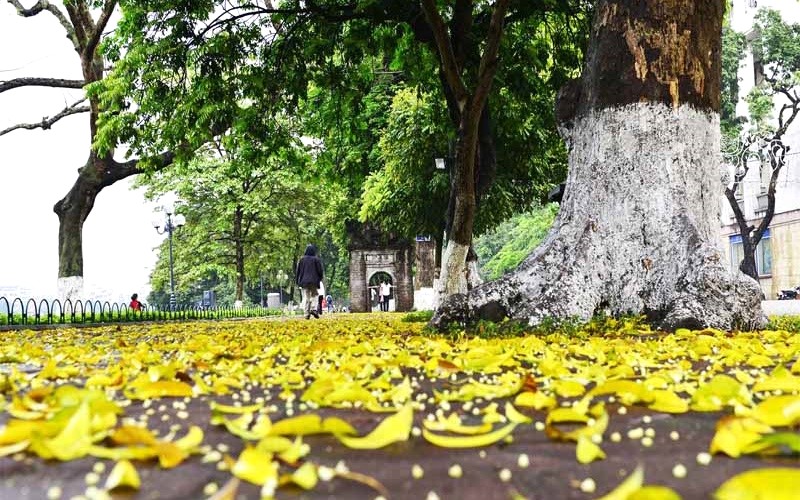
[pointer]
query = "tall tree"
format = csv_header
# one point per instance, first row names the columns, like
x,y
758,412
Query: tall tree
x,y
638,222
84,23
219,49
777,47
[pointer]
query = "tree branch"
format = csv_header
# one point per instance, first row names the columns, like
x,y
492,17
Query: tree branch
x,y
41,82
122,170
43,5
488,66
99,26
446,55
46,122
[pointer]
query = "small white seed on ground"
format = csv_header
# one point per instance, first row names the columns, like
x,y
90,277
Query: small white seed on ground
x,y
505,475
679,471
455,471
588,485
703,458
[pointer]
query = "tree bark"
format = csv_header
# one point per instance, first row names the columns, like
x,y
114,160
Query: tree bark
x,y
238,240
637,229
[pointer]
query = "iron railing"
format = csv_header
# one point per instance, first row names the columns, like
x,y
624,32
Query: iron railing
x,y
17,312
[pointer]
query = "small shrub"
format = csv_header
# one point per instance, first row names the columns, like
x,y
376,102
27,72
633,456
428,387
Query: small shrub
x,y
786,323
418,317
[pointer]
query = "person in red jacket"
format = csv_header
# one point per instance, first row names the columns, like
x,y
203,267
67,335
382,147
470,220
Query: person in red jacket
x,y
308,277
135,304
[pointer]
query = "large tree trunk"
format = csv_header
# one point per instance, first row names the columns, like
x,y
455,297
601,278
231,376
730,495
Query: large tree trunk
x,y
72,211
637,229
238,239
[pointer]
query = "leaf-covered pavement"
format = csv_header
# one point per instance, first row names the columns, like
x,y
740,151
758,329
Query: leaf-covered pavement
x,y
369,406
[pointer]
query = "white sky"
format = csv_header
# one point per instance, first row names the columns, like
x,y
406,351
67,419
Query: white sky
x,y
37,168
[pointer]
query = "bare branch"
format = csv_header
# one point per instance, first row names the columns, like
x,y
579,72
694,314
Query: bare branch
x,y
41,82
44,5
99,26
46,122
122,170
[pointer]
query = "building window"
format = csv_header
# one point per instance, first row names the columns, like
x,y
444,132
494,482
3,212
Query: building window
x,y
763,253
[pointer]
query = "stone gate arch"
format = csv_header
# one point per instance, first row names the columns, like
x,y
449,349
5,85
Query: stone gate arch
x,y
394,260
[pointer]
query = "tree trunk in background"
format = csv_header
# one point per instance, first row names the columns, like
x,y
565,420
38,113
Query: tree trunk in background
x,y
638,226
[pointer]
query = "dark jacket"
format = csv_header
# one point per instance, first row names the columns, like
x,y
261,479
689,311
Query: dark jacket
x,y
309,269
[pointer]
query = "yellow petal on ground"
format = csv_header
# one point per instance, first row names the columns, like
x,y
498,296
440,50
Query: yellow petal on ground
x,y
13,448
668,402
734,434
653,492
452,423
394,428
778,411
295,452
74,439
338,427
221,408
123,475
255,466
627,487
274,444
133,435
169,455
192,439
306,476
587,452
772,484
566,415
515,416
301,425
125,453
568,388
628,391
159,389
536,400
468,441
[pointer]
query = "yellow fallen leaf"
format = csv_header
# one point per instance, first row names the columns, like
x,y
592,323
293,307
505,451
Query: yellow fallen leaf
x,y
626,487
628,391
515,416
124,453
123,475
255,466
221,408
192,439
568,388
13,448
72,442
159,389
274,444
393,428
652,492
734,434
587,452
133,435
452,423
169,455
668,402
295,452
468,441
770,483
535,400
778,411
305,476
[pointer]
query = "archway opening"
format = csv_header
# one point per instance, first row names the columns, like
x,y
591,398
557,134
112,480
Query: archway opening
x,y
381,292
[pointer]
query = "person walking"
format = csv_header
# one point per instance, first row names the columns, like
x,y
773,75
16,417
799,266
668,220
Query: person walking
x,y
385,291
308,277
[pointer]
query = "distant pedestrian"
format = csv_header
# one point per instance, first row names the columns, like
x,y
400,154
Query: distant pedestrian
x,y
329,302
309,277
135,304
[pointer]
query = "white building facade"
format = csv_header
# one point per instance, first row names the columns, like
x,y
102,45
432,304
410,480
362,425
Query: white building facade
x,y
778,255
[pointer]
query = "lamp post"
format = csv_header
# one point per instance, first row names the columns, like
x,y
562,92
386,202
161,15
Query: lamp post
x,y
171,224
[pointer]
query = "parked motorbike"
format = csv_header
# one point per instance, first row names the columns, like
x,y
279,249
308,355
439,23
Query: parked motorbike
x,y
793,294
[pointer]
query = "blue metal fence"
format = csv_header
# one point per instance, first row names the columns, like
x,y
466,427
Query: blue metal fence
x,y
16,311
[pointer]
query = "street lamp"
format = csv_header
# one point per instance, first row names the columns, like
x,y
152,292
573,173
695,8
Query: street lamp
x,y
171,224
281,277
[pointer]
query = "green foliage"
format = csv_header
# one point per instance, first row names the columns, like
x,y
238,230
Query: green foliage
x,y
504,248
787,323
418,317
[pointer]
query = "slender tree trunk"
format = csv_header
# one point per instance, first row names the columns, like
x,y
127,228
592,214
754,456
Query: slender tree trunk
x,y
637,229
239,242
